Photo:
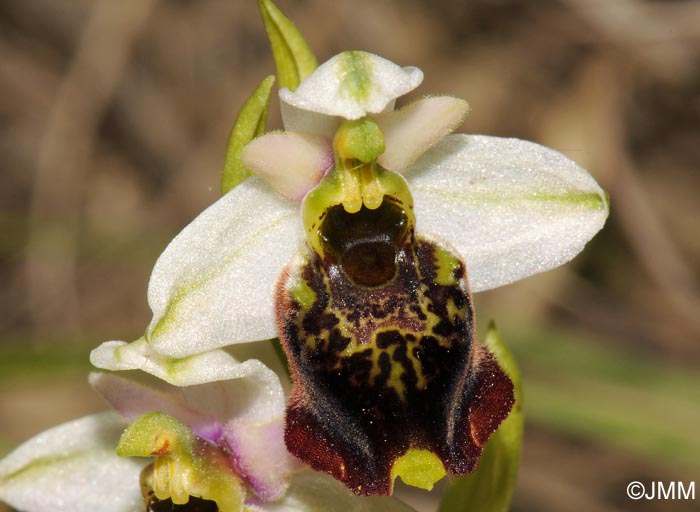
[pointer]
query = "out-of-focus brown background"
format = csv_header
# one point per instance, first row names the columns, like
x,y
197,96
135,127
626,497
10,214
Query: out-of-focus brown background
x,y
114,117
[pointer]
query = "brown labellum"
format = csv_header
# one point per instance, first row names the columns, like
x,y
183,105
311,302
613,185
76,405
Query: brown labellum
x,y
379,333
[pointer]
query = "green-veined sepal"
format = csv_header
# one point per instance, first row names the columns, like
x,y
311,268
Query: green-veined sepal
x,y
511,208
350,85
72,467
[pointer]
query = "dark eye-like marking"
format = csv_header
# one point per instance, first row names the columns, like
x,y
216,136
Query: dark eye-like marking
x,y
365,243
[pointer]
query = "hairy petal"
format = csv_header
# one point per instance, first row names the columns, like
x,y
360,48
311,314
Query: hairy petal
x,y
512,208
316,492
415,128
214,383
292,163
352,85
213,285
72,468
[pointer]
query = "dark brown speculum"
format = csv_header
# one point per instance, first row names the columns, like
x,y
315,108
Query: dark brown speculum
x,y
365,244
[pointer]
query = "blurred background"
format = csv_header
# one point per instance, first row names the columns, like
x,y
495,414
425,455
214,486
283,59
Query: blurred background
x,y
114,118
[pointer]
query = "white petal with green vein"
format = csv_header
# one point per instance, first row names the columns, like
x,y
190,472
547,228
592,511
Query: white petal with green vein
x,y
352,85
214,284
73,468
511,208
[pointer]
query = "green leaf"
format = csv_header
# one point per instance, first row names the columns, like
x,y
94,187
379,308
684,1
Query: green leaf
x,y
293,57
490,487
249,124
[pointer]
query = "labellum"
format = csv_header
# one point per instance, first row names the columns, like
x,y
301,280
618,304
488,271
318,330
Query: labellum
x,y
378,327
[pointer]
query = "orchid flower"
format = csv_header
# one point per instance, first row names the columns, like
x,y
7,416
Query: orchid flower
x,y
370,270
214,431
357,243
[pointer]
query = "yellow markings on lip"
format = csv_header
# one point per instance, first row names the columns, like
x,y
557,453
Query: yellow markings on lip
x,y
397,370
445,265
301,292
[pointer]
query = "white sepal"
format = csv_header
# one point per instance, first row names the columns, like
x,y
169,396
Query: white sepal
x,y
214,284
73,468
351,85
512,208
298,120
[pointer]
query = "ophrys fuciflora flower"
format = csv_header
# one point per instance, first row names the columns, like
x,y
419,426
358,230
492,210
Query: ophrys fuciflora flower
x,y
385,219
366,227
378,325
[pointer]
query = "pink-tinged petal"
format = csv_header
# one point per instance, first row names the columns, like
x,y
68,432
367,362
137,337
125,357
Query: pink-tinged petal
x,y
260,455
412,130
133,399
292,163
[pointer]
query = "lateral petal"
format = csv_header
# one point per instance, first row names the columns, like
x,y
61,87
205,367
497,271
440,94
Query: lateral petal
x,y
415,128
292,163
214,284
512,208
73,468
